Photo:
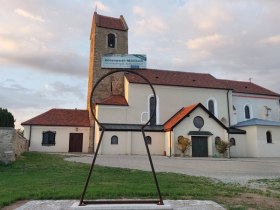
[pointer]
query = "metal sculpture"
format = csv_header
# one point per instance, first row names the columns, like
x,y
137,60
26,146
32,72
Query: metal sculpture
x,y
103,129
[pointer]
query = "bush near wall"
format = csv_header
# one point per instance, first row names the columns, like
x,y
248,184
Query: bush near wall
x,y
6,119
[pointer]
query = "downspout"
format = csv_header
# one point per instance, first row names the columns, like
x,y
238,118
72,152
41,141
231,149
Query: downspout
x,y
29,139
228,120
228,108
170,144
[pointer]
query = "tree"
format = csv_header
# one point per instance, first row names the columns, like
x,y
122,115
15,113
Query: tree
x,y
6,118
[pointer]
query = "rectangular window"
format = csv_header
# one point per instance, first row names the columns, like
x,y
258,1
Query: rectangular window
x,y
48,138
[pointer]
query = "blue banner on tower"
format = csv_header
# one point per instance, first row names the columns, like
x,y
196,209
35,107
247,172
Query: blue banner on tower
x,y
124,61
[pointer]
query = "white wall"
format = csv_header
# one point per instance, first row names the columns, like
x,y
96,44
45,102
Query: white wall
x,y
254,143
117,149
112,114
240,149
268,149
257,103
61,137
251,141
131,143
171,100
156,148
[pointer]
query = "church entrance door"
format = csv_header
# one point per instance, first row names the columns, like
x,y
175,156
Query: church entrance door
x,y
199,146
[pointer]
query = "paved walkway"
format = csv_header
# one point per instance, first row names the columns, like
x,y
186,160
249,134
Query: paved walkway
x,y
235,170
66,205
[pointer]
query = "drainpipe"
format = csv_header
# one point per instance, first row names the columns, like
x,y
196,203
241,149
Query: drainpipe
x,y
29,139
228,120
228,108
170,144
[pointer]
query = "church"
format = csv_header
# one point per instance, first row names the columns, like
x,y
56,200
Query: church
x,y
195,106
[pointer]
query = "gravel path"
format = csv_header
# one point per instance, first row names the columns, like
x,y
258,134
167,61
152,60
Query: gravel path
x,y
235,170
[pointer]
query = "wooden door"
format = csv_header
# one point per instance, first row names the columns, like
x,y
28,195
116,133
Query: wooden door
x,y
199,146
76,142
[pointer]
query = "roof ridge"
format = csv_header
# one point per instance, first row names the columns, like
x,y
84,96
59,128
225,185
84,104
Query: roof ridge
x,y
116,18
176,71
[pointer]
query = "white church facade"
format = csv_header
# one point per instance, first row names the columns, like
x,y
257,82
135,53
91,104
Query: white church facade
x,y
197,106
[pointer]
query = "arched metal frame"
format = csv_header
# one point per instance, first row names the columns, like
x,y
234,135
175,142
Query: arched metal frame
x,y
103,129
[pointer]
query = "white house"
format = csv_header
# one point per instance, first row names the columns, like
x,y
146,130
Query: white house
x,y
58,130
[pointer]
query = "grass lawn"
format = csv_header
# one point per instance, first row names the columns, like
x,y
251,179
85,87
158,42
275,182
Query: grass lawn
x,y
45,176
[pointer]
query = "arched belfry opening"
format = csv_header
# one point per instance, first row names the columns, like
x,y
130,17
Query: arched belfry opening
x,y
111,40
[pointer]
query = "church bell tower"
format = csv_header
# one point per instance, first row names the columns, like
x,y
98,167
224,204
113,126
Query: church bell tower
x,y
109,35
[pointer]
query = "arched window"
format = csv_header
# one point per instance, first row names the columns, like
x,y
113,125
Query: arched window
x,y
148,140
111,40
114,140
211,106
247,112
268,137
152,102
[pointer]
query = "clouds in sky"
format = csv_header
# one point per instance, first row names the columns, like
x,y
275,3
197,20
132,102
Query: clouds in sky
x,y
26,14
45,43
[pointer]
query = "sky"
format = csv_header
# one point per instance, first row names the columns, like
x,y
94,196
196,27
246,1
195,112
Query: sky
x,y
44,45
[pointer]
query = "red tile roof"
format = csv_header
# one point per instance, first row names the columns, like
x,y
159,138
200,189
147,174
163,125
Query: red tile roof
x,y
175,78
178,117
247,87
113,100
184,112
61,117
198,80
110,22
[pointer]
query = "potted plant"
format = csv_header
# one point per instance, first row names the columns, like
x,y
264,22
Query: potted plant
x,y
222,146
183,144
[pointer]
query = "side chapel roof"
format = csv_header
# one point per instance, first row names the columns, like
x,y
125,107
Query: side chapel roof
x,y
185,112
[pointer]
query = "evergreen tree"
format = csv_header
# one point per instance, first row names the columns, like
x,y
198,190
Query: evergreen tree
x,y
6,118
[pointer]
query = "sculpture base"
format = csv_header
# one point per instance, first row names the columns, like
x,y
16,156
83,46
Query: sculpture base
x,y
76,206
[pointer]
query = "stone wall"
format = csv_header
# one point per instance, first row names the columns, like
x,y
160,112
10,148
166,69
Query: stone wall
x,y
11,145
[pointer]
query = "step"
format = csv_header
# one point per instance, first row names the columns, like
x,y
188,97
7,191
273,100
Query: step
x,y
76,206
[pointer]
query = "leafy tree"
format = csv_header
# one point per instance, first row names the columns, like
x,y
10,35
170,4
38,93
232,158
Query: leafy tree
x,y
6,118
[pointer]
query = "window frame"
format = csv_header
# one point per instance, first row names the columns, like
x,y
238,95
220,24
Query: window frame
x,y
148,140
211,107
114,140
111,39
268,137
215,108
48,138
157,109
247,111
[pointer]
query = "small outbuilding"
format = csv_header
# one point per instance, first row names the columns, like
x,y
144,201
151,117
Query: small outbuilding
x,y
58,130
